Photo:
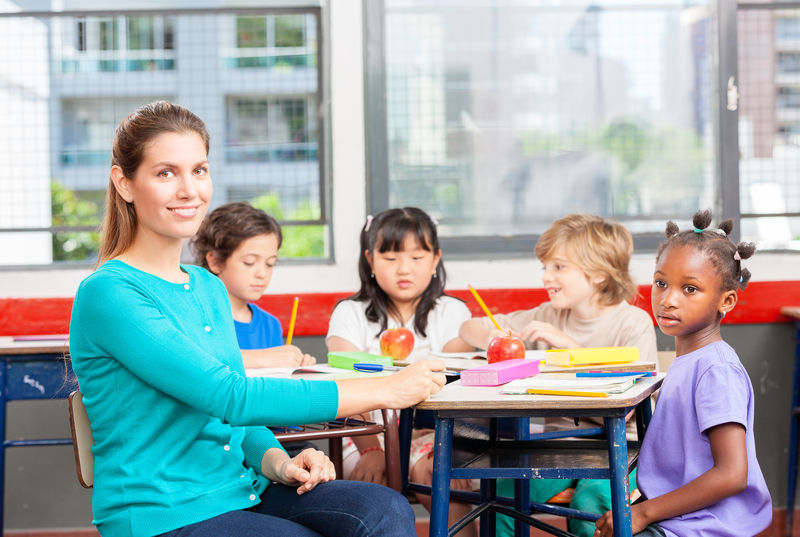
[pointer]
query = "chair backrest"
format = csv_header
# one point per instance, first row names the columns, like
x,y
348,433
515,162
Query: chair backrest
x,y
664,360
82,440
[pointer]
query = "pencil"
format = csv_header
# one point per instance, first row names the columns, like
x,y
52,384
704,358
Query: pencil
x,y
537,391
291,321
482,304
597,374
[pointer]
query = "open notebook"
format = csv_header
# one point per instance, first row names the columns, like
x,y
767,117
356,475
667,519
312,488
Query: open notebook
x,y
569,384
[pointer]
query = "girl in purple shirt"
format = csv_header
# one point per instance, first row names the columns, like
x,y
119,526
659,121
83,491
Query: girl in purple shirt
x,y
698,471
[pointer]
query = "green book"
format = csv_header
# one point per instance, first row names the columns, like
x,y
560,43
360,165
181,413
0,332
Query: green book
x,y
346,359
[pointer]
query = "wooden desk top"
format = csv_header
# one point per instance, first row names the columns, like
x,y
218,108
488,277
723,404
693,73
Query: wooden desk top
x,y
454,396
50,344
791,311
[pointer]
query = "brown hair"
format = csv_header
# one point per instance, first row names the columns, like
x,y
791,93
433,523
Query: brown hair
x,y
127,151
721,251
228,226
599,247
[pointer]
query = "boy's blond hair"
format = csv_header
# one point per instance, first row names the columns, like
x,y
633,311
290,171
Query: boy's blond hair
x,y
598,247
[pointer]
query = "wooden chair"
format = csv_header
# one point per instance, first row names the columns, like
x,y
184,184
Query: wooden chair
x,y
82,440
334,431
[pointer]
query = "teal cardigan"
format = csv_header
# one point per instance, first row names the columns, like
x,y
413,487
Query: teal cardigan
x,y
178,427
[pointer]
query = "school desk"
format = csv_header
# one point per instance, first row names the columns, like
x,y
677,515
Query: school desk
x,y
35,367
611,458
794,313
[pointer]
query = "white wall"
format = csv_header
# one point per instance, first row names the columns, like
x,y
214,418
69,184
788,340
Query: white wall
x,y
349,205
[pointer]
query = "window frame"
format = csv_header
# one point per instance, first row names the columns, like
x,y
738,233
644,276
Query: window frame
x,y
726,163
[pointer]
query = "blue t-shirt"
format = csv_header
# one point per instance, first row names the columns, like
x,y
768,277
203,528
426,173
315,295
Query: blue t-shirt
x,y
262,332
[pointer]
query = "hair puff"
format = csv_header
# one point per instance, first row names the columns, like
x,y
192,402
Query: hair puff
x,y
702,219
746,250
672,229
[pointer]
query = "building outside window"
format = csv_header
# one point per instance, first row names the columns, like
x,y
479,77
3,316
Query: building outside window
x,y
117,43
263,118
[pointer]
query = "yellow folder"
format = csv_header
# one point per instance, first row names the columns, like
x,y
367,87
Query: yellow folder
x,y
592,355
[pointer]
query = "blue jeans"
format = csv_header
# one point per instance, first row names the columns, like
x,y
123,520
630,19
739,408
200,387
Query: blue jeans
x,y
334,509
653,530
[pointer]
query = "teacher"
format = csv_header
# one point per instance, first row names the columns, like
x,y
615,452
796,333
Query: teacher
x,y
180,443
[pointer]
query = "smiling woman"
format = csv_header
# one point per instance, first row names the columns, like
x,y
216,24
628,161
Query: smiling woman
x,y
179,429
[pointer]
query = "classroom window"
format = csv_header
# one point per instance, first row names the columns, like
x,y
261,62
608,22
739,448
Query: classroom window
x,y
769,125
56,125
500,117
115,43
287,41
277,130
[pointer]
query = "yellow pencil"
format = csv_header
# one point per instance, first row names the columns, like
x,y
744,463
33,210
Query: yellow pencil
x,y
482,304
537,391
291,321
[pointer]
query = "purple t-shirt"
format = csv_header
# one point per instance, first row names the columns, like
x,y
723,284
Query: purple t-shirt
x,y
704,388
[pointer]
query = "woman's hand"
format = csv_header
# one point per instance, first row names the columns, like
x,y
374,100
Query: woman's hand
x,y
371,467
541,331
309,468
414,383
407,387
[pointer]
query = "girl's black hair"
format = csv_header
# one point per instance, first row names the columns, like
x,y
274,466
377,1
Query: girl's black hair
x,y
716,244
386,233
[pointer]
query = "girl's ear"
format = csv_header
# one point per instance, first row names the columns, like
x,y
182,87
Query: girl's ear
x,y
368,256
436,258
121,183
214,263
728,301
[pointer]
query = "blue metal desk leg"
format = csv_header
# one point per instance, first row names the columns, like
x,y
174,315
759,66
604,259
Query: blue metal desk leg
x,y
618,463
792,478
440,487
3,380
522,487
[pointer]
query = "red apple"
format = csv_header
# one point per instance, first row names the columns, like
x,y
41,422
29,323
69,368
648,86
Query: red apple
x,y
505,348
397,343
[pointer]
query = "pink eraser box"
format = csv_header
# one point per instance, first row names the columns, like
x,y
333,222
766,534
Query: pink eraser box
x,y
500,372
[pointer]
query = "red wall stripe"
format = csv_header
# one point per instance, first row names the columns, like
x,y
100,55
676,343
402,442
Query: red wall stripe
x,y
759,303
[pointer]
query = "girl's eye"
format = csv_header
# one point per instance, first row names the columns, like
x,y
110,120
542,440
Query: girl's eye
x,y
165,173
660,283
201,171
690,289
248,263
270,265
417,258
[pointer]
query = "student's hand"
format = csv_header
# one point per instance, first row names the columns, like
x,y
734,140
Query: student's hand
x,y
422,472
414,383
605,524
371,467
494,332
541,331
282,356
296,357
309,468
